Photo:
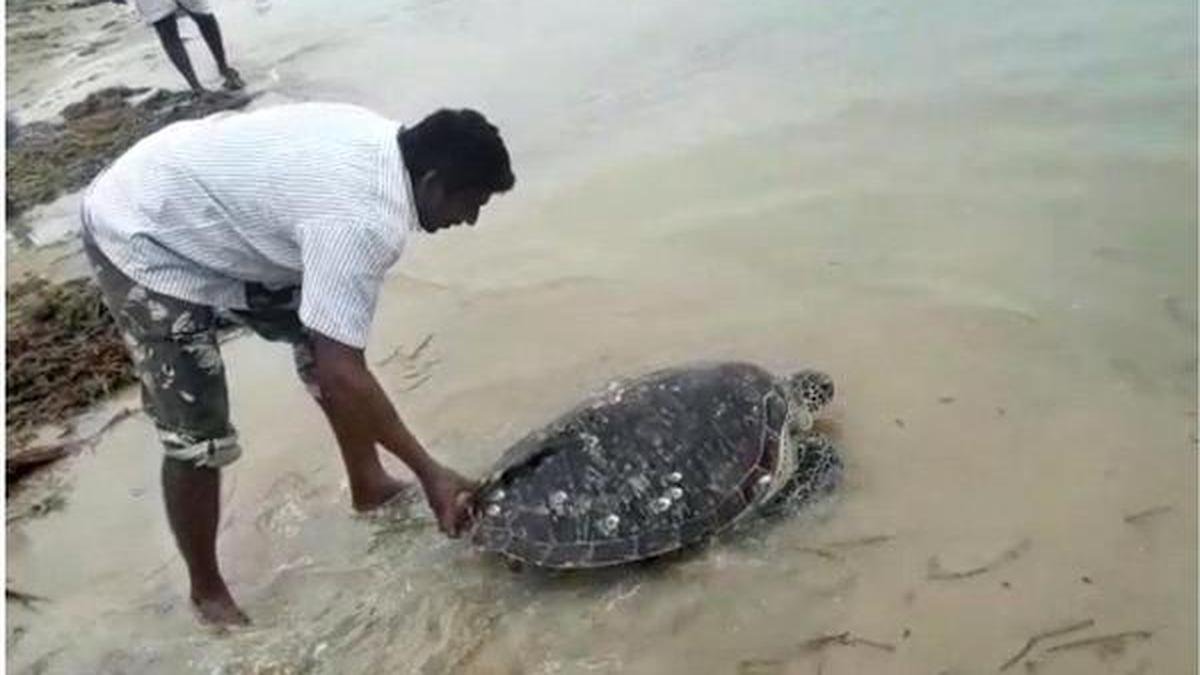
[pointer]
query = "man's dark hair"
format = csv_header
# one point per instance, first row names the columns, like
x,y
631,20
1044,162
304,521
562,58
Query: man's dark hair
x,y
463,147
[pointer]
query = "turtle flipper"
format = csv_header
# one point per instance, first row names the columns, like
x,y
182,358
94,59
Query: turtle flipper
x,y
818,470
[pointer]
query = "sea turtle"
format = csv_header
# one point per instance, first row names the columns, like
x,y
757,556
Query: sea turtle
x,y
657,463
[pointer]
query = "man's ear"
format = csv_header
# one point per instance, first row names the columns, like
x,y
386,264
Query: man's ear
x,y
428,181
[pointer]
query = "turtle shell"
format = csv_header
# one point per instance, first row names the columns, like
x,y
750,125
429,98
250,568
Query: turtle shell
x,y
649,466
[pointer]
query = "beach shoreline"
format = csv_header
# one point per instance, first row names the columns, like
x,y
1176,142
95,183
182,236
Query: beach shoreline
x,y
991,248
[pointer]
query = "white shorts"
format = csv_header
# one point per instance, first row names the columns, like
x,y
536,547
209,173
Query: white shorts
x,y
154,11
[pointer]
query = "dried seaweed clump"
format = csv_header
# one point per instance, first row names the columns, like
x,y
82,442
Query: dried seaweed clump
x,y
64,353
47,159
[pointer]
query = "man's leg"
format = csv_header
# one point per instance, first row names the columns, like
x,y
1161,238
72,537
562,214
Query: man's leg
x,y
371,486
168,34
174,349
212,37
272,315
193,499
184,377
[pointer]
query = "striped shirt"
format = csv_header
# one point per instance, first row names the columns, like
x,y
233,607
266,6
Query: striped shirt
x,y
312,194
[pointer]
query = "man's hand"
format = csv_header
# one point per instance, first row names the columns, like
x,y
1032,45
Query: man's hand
x,y
450,496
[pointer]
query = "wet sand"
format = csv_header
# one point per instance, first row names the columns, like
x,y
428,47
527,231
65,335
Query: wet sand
x,y
997,265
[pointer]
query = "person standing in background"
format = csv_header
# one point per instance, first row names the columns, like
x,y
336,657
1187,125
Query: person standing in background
x,y
162,15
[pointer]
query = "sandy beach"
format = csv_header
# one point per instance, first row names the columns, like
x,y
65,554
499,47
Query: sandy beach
x,y
980,219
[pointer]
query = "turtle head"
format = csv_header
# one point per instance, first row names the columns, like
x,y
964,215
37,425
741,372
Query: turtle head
x,y
811,390
810,465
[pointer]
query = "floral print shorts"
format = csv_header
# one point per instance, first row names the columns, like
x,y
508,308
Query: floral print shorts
x,y
175,351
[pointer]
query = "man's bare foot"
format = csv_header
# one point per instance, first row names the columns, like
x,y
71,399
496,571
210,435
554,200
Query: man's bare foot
x,y
218,608
378,494
233,80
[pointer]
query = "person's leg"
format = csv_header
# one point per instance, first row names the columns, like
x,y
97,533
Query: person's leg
x,y
191,413
174,350
211,32
371,486
193,500
168,34
272,316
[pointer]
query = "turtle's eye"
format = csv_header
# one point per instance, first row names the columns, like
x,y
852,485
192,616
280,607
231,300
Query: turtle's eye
x,y
800,422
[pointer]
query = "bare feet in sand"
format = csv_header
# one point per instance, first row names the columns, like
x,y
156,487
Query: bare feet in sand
x,y
218,608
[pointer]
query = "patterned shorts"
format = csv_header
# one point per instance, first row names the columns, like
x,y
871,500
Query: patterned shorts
x,y
175,351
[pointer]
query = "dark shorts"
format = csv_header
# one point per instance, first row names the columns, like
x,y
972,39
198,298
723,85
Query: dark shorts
x,y
176,353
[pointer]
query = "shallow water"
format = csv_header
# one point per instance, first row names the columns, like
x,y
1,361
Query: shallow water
x,y
980,218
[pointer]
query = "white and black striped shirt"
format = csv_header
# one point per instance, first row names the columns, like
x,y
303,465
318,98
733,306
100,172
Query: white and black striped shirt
x,y
314,194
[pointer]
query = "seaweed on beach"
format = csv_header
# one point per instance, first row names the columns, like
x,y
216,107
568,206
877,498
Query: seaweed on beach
x,y
64,353
47,159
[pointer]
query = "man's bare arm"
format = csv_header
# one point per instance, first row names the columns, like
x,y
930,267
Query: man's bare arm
x,y
360,411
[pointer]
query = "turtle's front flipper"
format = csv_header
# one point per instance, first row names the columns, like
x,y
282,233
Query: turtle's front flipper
x,y
818,470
